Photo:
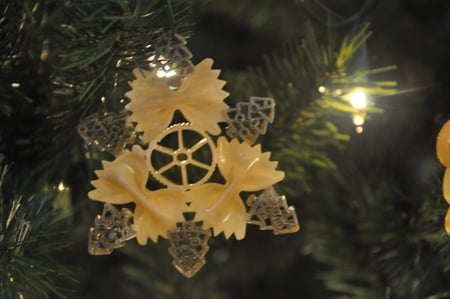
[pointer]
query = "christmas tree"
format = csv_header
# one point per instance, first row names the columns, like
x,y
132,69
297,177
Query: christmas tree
x,y
347,97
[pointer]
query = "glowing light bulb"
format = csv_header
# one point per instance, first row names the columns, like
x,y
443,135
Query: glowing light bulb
x,y
322,89
337,92
358,120
161,73
61,186
170,73
358,99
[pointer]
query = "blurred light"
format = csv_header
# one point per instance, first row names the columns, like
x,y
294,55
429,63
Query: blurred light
x,y
165,73
61,186
103,99
161,67
322,89
358,99
220,256
359,129
358,120
15,84
151,59
44,54
337,92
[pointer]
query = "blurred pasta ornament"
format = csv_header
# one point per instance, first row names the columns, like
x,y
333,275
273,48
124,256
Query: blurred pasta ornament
x,y
443,145
443,155
200,177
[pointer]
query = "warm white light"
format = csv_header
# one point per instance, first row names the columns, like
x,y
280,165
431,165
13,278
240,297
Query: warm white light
x,y
322,89
15,84
165,73
61,186
359,129
358,99
337,92
358,120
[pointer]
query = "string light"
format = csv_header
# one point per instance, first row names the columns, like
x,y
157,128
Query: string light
x,y
163,69
61,186
358,99
322,89
165,72
358,120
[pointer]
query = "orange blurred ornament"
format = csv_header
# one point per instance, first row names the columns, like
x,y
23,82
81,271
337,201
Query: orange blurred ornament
x,y
446,185
443,155
443,145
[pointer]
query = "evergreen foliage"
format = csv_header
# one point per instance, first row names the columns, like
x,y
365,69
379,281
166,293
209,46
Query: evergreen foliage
x,y
33,234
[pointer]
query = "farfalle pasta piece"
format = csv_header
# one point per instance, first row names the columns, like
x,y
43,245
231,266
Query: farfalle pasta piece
x,y
247,165
158,213
220,207
200,99
245,168
123,181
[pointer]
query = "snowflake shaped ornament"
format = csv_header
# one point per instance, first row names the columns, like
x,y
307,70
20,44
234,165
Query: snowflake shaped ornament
x,y
186,183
